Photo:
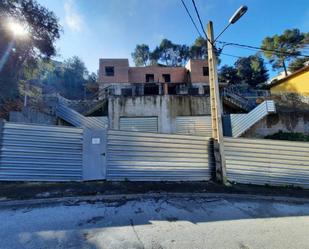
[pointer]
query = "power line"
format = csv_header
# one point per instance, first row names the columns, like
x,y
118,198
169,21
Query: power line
x,y
239,57
248,47
261,49
200,21
184,5
231,55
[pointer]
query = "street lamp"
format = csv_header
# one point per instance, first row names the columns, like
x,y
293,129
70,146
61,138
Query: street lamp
x,y
235,17
215,103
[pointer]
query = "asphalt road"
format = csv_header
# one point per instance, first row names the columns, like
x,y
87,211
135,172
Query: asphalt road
x,y
157,223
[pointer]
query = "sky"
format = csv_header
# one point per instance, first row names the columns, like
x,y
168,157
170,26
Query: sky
x,y
94,29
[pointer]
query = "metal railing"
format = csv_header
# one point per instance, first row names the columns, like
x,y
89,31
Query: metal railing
x,y
237,99
138,89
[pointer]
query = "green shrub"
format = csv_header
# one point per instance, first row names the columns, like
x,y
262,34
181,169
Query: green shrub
x,y
291,136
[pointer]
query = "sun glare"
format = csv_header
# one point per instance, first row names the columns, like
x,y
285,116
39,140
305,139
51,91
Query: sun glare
x,y
18,29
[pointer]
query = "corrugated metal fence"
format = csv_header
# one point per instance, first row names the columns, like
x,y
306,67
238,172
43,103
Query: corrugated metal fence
x,y
242,122
53,153
79,120
194,125
143,124
153,157
263,161
40,153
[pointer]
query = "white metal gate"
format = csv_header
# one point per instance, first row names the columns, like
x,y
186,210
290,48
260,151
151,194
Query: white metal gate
x,y
141,156
143,124
194,125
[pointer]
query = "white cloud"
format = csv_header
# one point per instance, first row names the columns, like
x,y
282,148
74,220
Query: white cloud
x,y
73,19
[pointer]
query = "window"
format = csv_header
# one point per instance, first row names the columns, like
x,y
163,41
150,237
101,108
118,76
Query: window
x,y
166,77
151,89
193,91
109,71
111,91
205,71
149,78
206,90
126,92
172,89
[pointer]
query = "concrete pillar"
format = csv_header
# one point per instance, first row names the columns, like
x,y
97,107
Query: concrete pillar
x,y
165,89
113,113
165,114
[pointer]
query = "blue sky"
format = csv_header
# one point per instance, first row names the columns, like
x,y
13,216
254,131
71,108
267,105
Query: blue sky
x,y
94,29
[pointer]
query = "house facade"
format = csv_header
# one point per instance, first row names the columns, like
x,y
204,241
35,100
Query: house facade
x,y
156,98
117,75
297,82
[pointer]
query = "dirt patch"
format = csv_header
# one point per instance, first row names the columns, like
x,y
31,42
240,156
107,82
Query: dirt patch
x,y
38,190
171,219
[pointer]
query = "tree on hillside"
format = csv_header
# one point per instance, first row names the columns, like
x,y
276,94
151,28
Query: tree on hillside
x,y
141,55
288,45
228,74
199,49
251,70
69,78
43,30
182,54
75,75
297,64
154,56
169,53
92,85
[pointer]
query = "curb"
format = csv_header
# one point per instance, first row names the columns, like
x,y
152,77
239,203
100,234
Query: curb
x,y
128,197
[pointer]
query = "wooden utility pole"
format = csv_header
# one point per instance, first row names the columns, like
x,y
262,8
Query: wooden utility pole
x,y
215,104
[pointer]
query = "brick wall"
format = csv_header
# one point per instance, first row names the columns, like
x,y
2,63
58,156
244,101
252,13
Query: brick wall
x,y
138,74
125,74
196,71
121,68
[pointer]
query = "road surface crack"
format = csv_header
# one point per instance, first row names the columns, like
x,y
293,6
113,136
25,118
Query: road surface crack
x,y
136,234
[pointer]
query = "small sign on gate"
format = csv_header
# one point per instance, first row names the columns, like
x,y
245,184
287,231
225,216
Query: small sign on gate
x,y
96,140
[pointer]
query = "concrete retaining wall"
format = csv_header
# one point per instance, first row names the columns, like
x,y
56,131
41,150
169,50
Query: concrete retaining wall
x,y
32,117
284,121
166,108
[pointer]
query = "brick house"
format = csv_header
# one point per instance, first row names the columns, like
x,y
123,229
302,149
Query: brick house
x,y
193,79
156,98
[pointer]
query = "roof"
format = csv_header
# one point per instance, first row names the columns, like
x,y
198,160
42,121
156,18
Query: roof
x,y
300,71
